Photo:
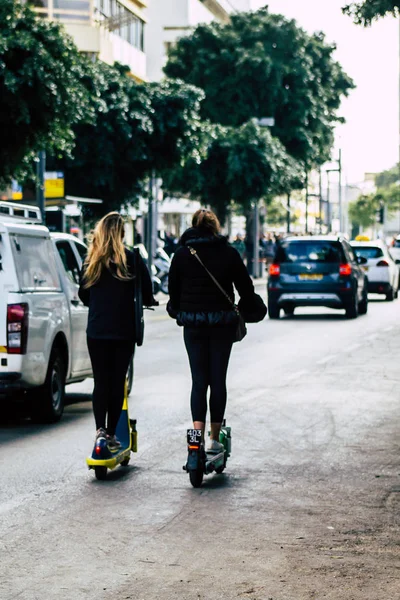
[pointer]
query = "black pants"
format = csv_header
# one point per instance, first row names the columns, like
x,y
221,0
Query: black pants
x,y
110,361
209,353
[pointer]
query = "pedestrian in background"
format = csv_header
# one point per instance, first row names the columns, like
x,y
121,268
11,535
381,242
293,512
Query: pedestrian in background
x,y
206,314
114,284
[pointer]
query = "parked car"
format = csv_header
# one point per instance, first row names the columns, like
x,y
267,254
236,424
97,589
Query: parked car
x,y
395,250
381,269
317,271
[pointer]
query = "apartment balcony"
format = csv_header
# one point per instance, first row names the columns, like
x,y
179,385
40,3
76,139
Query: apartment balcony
x,y
112,30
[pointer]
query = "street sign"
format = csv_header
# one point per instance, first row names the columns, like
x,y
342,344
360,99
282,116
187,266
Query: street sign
x,y
266,122
54,184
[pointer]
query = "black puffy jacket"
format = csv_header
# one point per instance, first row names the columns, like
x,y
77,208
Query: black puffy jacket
x,y
195,300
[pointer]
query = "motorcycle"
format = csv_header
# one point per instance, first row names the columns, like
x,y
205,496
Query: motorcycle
x,y
162,263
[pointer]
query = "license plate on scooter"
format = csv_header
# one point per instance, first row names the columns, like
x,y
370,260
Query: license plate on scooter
x,y
194,437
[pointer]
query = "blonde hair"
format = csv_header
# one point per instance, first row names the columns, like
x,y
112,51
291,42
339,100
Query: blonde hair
x,y
207,219
106,247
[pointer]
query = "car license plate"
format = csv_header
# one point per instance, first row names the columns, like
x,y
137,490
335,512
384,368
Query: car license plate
x,y
311,277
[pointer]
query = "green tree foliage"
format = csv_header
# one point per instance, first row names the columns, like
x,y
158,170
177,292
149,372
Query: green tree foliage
x,y
264,65
365,12
363,211
239,164
137,129
41,96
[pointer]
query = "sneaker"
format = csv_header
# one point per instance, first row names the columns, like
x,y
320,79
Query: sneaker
x,y
101,434
113,442
215,447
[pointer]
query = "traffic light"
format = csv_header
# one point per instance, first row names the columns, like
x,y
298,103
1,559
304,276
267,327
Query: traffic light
x,y
380,214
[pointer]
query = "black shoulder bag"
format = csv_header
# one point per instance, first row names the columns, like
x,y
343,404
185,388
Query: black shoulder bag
x,y
241,330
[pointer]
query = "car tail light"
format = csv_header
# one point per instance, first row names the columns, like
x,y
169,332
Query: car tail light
x,y
345,270
274,270
382,263
17,328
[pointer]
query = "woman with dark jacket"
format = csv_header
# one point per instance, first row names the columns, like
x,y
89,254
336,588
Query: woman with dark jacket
x,y
115,285
206,315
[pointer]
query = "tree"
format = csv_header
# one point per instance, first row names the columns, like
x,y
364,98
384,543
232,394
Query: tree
x,y
239,165
264,65
41,95
367,11
387,178
363,211
137,129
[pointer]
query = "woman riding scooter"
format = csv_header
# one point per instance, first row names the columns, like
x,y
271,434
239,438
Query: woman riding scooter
x,y
111,277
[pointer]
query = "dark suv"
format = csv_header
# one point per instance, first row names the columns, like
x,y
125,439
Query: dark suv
x,y
317,271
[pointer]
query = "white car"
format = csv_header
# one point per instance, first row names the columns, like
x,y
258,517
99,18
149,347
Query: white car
x,y
381,269
395,250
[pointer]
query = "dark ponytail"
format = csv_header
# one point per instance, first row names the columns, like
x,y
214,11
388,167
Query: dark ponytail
x,y
206,219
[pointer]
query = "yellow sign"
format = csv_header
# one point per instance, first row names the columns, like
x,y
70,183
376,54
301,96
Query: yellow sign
x,y
54,184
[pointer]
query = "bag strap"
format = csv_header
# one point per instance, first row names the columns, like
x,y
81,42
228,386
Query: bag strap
x,y
194,253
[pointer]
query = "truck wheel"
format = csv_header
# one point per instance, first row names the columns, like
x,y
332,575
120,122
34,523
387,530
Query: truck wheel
x,y
48,399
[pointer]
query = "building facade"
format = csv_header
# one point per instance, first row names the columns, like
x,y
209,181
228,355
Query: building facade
x,y
112,30
171,19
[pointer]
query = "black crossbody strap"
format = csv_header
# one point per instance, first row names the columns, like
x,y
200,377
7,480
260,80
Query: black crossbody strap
x,y
194,253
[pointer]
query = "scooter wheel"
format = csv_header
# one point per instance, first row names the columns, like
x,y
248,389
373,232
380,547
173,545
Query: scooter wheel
x,y
101,473
196,478
125,462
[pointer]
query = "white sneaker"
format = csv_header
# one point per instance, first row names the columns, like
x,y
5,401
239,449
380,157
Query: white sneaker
x,y
215,447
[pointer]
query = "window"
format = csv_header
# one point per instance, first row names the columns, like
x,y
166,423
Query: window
x,y
69,261
320,252
82,250
368,252
35,263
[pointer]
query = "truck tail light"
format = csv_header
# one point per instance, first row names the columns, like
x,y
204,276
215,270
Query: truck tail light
x,y
382,263
274,270
345,270
17,328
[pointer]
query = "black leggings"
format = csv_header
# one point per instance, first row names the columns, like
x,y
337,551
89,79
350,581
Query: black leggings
x,y
209,354
110,361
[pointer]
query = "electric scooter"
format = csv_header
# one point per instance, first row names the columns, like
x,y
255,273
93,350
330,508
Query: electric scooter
x,y
102,458
200,462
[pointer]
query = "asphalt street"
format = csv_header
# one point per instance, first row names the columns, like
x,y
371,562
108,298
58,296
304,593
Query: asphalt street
x,y
308,508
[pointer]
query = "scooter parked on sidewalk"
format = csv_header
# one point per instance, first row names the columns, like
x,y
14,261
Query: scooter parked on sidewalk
x,y
102,458
200,462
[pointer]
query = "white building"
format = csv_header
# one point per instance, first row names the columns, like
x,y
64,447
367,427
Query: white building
x,y
112,30
171,19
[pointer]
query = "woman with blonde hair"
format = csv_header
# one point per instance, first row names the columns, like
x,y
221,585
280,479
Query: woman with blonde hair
x,y
115,285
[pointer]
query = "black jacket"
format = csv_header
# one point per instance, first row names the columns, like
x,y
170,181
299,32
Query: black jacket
x,y
111,302
195,300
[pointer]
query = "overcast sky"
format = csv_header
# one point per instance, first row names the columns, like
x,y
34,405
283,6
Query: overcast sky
x,y
370,137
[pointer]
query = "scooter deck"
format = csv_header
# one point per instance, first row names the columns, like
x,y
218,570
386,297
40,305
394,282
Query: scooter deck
x,y
107,458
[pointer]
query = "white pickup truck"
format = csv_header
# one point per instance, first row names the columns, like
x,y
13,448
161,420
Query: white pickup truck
x,y
42,321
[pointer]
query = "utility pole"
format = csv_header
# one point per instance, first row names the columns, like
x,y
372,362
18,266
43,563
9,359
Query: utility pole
x,y
288,214
340,192
306,200
40,191
256,235
150,217
320,200
328,206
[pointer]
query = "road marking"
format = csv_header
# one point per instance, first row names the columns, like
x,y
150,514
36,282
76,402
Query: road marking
x,y
389,328
297,375
326,359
